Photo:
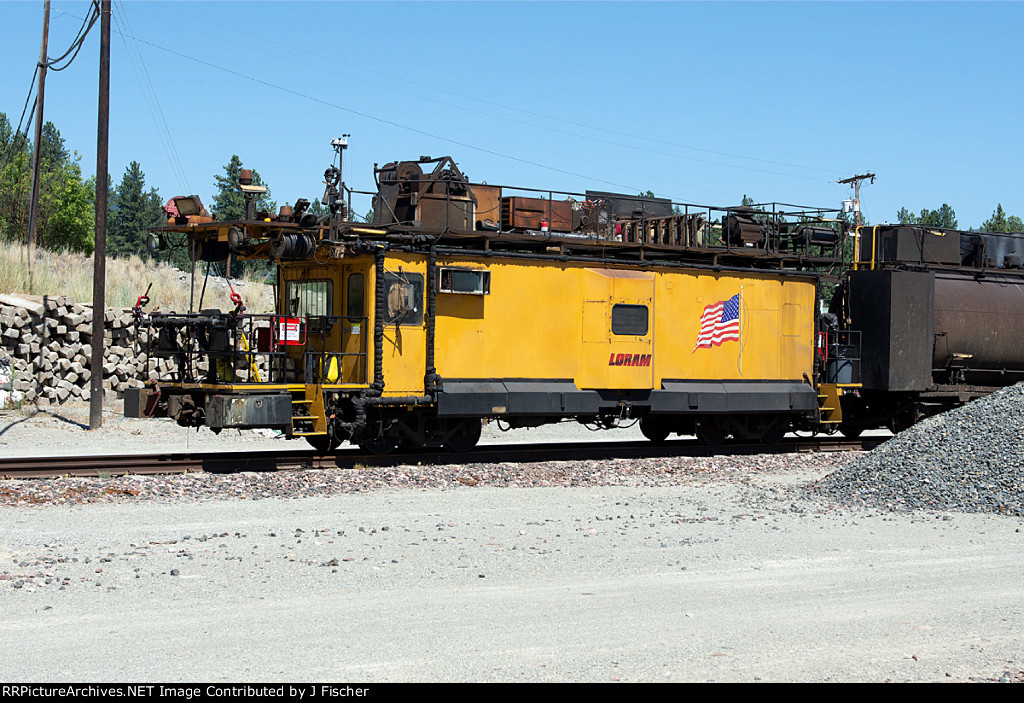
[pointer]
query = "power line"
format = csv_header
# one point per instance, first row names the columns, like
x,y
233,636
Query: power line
x,y
335,60
424,132
51,64
409,128
46,63
76,43
152,101
382,120
14,145
31,90
854,181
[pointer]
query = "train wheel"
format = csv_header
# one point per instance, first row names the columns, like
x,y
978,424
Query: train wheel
x,y
775,433
407,445
850,431
465,436
323,443
379,445
712,431
378,438
654,429
905,418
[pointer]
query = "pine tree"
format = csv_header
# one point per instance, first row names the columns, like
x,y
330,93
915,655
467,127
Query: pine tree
x,y
229,204
133,211
317,208
944,217
54,151
996,223
228,201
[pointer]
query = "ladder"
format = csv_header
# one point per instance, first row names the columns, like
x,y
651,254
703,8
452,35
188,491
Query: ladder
x,y
314,422
830,410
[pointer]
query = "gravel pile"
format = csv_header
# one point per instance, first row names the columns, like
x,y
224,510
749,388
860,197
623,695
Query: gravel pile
x,y
970,459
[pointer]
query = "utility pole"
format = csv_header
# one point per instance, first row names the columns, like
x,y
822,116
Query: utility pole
x,y
855,181
100,252
33,208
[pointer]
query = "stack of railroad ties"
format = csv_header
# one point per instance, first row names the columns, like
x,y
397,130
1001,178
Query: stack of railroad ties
x,y
460,304
46,351
8,396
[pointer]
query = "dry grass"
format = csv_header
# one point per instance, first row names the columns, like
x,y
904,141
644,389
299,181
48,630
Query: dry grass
x,y
70,274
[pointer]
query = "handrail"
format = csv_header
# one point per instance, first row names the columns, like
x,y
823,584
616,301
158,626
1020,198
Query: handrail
x,y
857,261
214,348
874,243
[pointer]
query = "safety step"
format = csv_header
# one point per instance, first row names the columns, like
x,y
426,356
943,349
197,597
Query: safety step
x,y
314,421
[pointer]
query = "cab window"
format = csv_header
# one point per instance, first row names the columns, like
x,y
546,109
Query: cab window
x,y
309,298
404,293
354,302
630,320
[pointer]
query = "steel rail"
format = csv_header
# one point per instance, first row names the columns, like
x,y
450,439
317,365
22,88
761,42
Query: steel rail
x,y
301,459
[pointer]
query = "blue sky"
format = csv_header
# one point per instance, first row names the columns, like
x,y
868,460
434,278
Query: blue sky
x,y
698,102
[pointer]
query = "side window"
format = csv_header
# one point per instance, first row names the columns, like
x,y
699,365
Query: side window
x,y
630,320
404,298
354,306
309,298
463,281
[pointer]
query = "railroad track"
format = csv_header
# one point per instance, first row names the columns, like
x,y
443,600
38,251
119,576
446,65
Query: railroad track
x,y
305,458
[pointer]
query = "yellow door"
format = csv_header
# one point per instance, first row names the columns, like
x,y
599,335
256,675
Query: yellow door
x,y
308,294
354,324
618,329
405,334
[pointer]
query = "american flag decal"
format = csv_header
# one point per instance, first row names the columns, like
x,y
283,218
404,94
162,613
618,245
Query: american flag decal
x,y
719,323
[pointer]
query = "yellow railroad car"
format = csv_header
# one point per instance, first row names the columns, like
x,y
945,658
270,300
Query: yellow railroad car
x,y
397,333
